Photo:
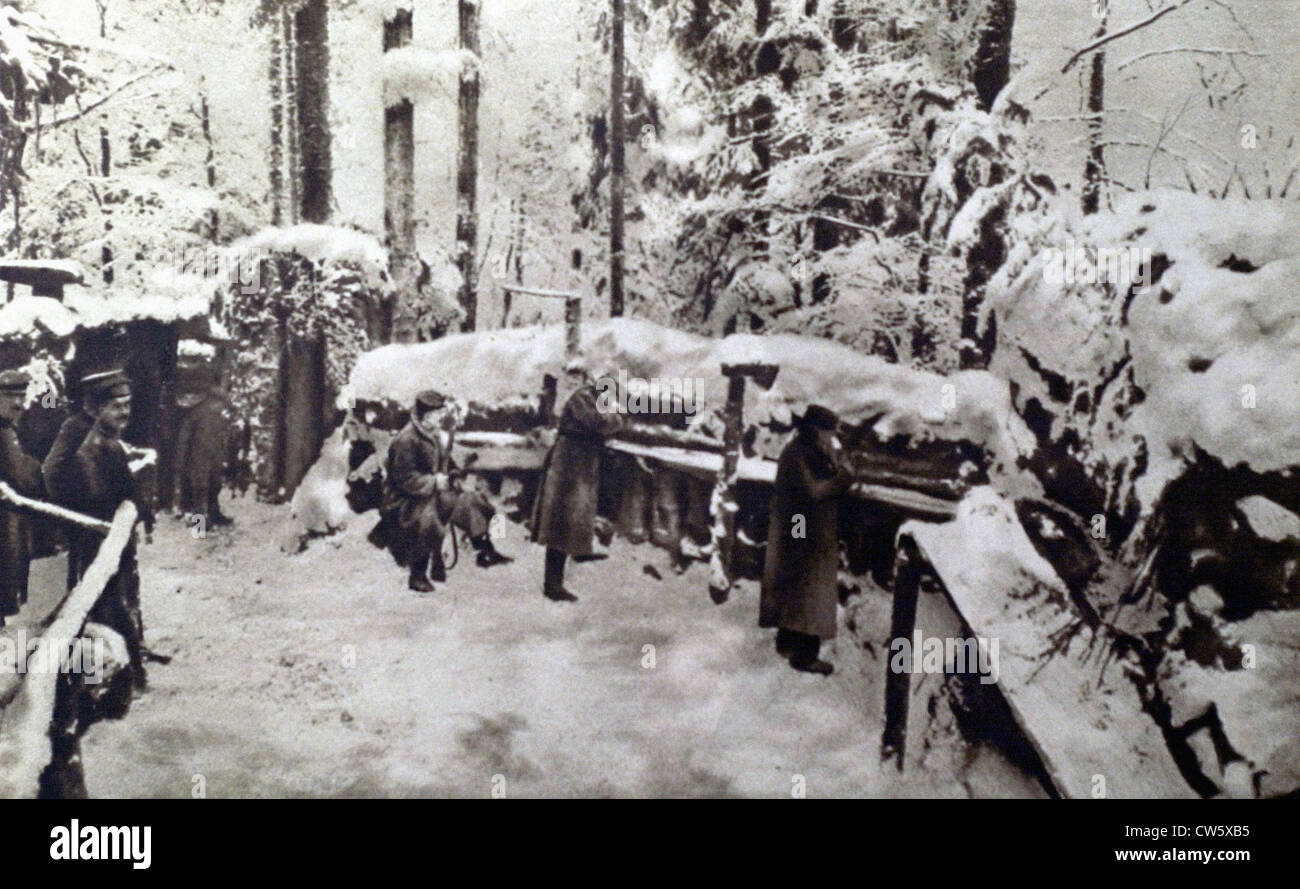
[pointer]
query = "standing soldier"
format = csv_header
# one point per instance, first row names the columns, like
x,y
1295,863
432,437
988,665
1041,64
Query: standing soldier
x,y
800,589
100,474
564,516
60,481
22,473
201,456
422,500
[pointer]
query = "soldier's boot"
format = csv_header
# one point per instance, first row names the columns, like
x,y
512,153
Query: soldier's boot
x,y
816,665
418,582
803,657
553,585
438,568
487,552
215,516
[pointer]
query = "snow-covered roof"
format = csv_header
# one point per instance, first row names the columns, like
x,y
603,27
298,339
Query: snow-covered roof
x,y
505,365
32,315
166,297
64,271
320,243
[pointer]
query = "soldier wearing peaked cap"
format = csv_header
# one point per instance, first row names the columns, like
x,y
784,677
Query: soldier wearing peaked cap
x,y
21,472
422,497
800,589
60,482
100,474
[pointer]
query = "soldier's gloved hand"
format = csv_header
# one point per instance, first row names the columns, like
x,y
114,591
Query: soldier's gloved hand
x,y
441,481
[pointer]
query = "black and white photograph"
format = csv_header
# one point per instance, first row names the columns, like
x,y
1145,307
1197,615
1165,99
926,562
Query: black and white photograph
x,y
643,399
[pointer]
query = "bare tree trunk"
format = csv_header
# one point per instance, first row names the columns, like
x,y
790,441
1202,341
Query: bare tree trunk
x,y
276,77
399,189
1094,170
760,123
293,161
992,68
467,166
106,169
311,73
617,135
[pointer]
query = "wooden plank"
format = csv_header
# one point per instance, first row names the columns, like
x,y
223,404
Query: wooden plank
x,y
40,507
1085,724
508,450
25,747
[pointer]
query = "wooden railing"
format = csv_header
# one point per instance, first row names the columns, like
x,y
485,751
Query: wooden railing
x,y
28,699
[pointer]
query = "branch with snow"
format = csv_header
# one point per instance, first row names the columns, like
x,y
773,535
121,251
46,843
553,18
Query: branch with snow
x,y
1122,32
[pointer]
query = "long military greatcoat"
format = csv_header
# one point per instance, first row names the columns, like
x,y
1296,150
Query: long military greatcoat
x,y
23,473
564,515
799,590
201,454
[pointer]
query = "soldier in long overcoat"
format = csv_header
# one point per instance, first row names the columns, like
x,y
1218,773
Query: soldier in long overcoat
x,y
422,500
201,446
564,514
799,591
21,472
100,474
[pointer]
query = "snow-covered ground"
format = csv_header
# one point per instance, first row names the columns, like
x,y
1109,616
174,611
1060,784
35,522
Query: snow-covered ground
x,y
320,675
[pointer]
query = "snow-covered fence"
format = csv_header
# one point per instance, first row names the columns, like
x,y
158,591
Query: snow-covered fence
x,y
30,701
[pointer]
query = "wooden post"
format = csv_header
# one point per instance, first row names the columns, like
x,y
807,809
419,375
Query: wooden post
x,y
723,505
908,570
572,314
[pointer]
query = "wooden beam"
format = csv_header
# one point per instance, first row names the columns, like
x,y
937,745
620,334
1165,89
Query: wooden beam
x,y
723,504
40,507
1085,722
25,747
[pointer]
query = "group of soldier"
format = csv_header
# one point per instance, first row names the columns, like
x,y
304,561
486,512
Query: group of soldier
x,y
425,497
423,501
88,470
